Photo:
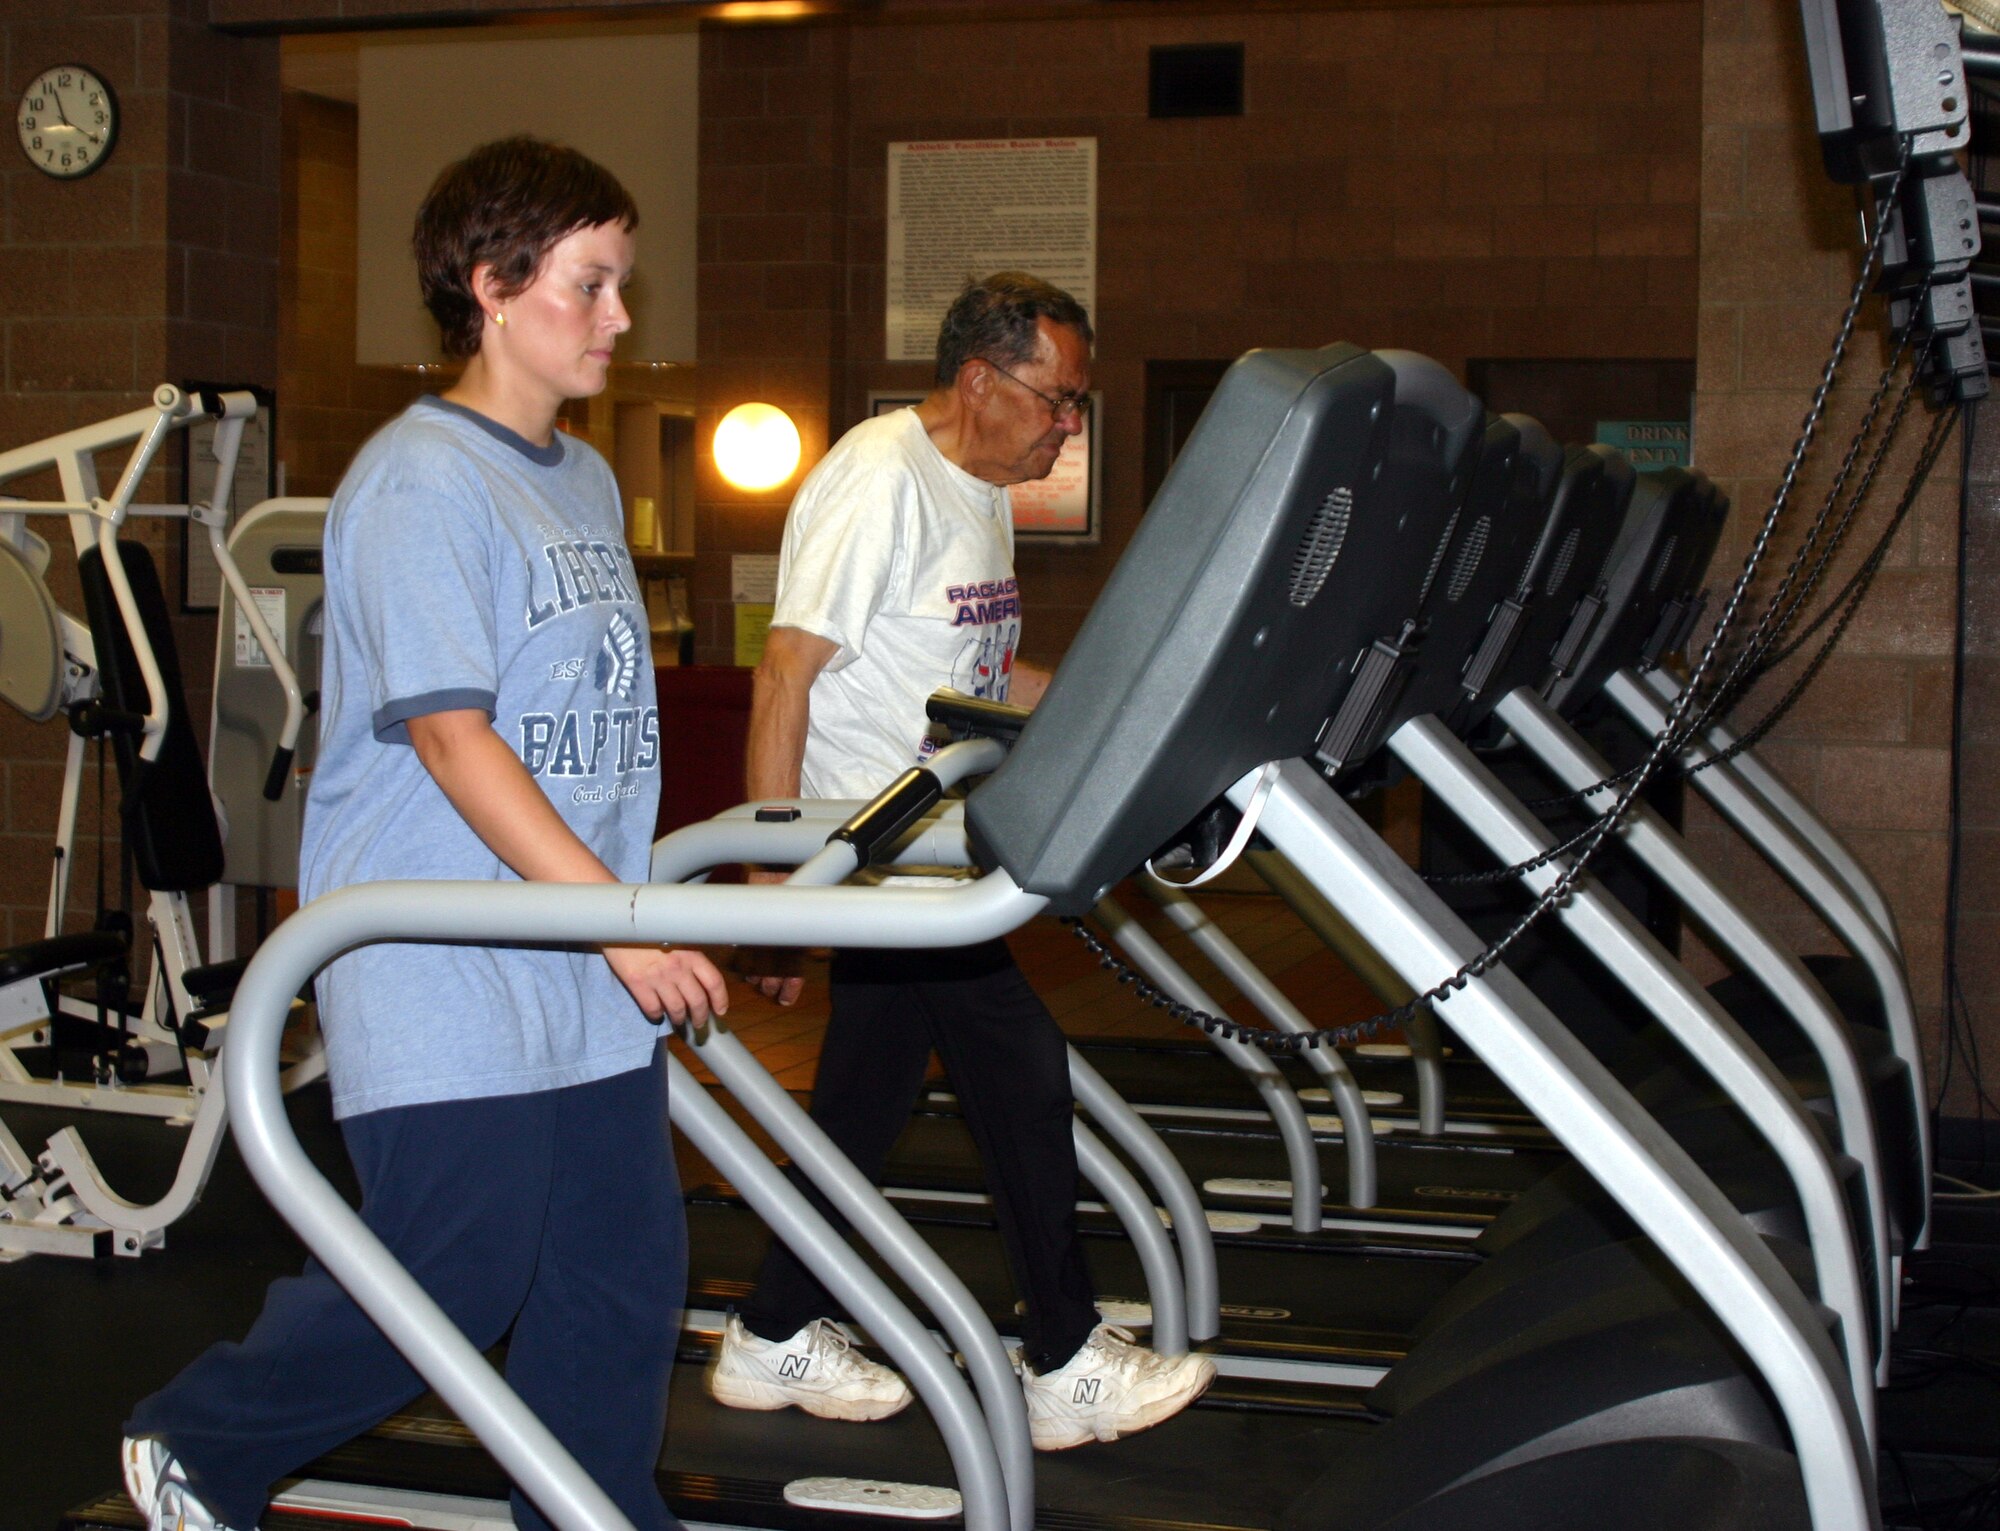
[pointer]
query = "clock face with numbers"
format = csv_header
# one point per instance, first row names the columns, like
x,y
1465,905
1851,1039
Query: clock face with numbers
x,y
67,121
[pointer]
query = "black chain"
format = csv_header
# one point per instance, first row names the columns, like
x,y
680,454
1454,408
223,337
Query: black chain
x,y
1754,661
1783,606
1836,603
1565,799
1262,1037
1520,868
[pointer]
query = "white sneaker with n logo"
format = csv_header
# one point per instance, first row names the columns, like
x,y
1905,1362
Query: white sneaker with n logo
x,y
158,1488
817,1370
1110,1387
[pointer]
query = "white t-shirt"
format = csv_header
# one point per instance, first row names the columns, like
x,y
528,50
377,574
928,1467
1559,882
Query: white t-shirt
x,y
906,562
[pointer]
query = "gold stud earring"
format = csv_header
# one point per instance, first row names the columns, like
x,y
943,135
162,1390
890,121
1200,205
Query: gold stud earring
x,y
500,319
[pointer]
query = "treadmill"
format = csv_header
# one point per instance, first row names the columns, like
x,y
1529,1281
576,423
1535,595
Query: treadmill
x,y
1442,687
1647,604
1689,1362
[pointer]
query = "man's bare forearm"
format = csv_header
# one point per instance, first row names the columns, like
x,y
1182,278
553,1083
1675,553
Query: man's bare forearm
x,y
780,709
1028,683
777,745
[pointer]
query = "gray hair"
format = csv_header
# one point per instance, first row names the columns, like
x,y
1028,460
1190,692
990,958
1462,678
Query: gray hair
x,y
995,318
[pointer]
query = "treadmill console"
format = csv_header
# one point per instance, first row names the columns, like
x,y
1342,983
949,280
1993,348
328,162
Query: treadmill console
x,y
1560,587
1660,559
1294,531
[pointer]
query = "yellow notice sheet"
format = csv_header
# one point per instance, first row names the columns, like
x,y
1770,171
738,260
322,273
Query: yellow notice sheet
x,y
753,621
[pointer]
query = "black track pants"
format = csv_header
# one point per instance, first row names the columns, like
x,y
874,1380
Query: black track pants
x,y
557,1213
1009,1066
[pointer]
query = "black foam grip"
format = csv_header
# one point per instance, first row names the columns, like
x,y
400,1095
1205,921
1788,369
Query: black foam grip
x,y
893,810
274,779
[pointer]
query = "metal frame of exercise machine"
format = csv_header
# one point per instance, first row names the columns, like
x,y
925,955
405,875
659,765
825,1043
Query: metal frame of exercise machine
x,y
59,1201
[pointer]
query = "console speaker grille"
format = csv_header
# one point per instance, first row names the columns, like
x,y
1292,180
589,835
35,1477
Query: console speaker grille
x,y
1565,556
1320,546
1469,555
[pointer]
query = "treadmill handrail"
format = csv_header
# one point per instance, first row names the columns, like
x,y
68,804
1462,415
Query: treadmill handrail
x,y
1425,1041
1551,740
1793,809
1649,1174
1280,1101
521,912
1795,860
1634,956
890,1235
1118,1120
1357,1129
950,766
939,840
693,849
974,1452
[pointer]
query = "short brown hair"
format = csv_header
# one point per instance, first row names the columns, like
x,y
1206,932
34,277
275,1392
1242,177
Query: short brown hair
x,y
995,318
505,205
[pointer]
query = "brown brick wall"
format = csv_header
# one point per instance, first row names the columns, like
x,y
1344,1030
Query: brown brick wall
x,y
161,266
328,405
1870,746
1978,924
1465,181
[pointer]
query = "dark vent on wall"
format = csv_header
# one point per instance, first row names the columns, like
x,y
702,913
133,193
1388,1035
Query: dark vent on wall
x,y
1565,556
1660,564
1437,558
1196,80
1320,546
1468,558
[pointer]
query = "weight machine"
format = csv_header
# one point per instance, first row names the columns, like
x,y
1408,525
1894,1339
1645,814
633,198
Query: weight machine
x,y
115,675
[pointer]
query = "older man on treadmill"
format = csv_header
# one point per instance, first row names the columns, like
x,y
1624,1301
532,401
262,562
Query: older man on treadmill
x,y
896,579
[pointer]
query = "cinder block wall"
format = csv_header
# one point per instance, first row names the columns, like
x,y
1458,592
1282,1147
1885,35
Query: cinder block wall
x,y
329,405
1870,745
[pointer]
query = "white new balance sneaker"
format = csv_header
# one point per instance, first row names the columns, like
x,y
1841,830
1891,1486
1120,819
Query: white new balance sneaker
x,y
1110,1387
159,1489
817,1370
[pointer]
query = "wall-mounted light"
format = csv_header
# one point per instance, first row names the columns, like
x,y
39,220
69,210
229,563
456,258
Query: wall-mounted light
x,y
757,446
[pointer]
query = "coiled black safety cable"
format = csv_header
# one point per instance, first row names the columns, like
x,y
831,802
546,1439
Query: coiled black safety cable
x,y
1599,831
1784,643
1820,618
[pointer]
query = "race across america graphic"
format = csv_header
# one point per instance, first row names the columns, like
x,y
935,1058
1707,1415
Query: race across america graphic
x,y
984,666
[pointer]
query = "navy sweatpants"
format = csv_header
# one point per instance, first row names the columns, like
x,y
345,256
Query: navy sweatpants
x,y
1009,1066
556,1213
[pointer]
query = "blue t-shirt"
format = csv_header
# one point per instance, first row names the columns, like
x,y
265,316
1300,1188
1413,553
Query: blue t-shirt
x,y
467,567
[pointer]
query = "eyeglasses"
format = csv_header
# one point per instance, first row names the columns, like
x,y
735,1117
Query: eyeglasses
x,y
1075,405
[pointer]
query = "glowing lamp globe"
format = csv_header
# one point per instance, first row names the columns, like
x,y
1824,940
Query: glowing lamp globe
x,y
757,446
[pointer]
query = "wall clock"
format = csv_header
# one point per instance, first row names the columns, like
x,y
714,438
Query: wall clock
x,y
67,121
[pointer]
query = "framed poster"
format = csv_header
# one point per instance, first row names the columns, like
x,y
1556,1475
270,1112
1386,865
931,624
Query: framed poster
x,y
960,208
1062,508
256,482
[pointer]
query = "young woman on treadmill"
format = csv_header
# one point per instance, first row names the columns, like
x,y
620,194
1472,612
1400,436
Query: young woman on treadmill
x,y
488,713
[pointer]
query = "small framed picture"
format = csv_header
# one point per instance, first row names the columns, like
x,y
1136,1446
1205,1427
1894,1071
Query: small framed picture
x,y
1061,508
